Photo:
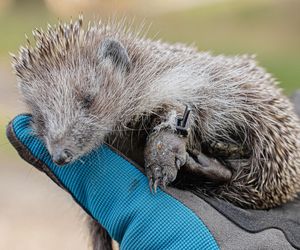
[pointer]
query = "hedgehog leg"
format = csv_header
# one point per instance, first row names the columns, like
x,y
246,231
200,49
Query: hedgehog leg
x,y
210,168
165,153
100,240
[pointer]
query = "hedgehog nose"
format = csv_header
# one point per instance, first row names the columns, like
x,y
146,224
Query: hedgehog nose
x,y
62,156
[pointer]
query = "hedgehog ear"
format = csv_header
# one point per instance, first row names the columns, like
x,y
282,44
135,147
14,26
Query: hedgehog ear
x,y
115,51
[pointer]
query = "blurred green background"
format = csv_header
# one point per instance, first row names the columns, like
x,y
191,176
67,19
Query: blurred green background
x,y
268,28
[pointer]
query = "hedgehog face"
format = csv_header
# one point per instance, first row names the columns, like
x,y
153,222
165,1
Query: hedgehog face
x,y
67,141
67,115
74,108
71,87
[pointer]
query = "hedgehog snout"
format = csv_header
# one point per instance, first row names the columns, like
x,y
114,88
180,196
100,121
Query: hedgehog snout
x,y
62,156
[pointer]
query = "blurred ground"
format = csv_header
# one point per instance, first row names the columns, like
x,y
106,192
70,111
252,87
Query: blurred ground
x,y
34,213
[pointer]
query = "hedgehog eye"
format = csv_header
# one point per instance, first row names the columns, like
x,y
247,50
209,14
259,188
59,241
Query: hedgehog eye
x,y
87,101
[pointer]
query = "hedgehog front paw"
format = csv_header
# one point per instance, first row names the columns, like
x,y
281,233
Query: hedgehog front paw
x,y
165,154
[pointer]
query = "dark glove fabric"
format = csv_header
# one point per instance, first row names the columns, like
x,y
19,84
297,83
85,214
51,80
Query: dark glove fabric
x,y
116,193
284,219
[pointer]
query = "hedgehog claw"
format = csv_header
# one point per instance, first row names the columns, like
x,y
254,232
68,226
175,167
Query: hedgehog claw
x,y
155,185
178,163
151,185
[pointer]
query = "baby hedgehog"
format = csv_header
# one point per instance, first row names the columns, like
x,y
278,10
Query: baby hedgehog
x,y
213,123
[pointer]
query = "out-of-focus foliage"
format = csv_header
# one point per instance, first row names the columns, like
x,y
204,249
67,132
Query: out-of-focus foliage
x,y
267,28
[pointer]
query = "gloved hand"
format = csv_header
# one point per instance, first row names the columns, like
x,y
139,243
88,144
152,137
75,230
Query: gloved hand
x,y
115,192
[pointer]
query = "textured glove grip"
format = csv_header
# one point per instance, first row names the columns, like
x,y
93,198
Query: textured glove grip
x,y
116,194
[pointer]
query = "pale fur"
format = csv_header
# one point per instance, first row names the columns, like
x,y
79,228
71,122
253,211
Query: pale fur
x,y
228,95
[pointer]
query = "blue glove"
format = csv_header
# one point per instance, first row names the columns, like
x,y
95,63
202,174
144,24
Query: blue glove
x,y
116,193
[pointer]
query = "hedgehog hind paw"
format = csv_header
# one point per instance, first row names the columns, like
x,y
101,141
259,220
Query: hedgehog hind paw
x,y
209,168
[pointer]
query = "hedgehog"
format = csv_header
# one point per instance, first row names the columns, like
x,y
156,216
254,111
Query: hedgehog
x,y
214,123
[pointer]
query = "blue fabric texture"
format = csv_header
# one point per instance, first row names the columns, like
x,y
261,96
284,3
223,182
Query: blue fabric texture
x,y
117,194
